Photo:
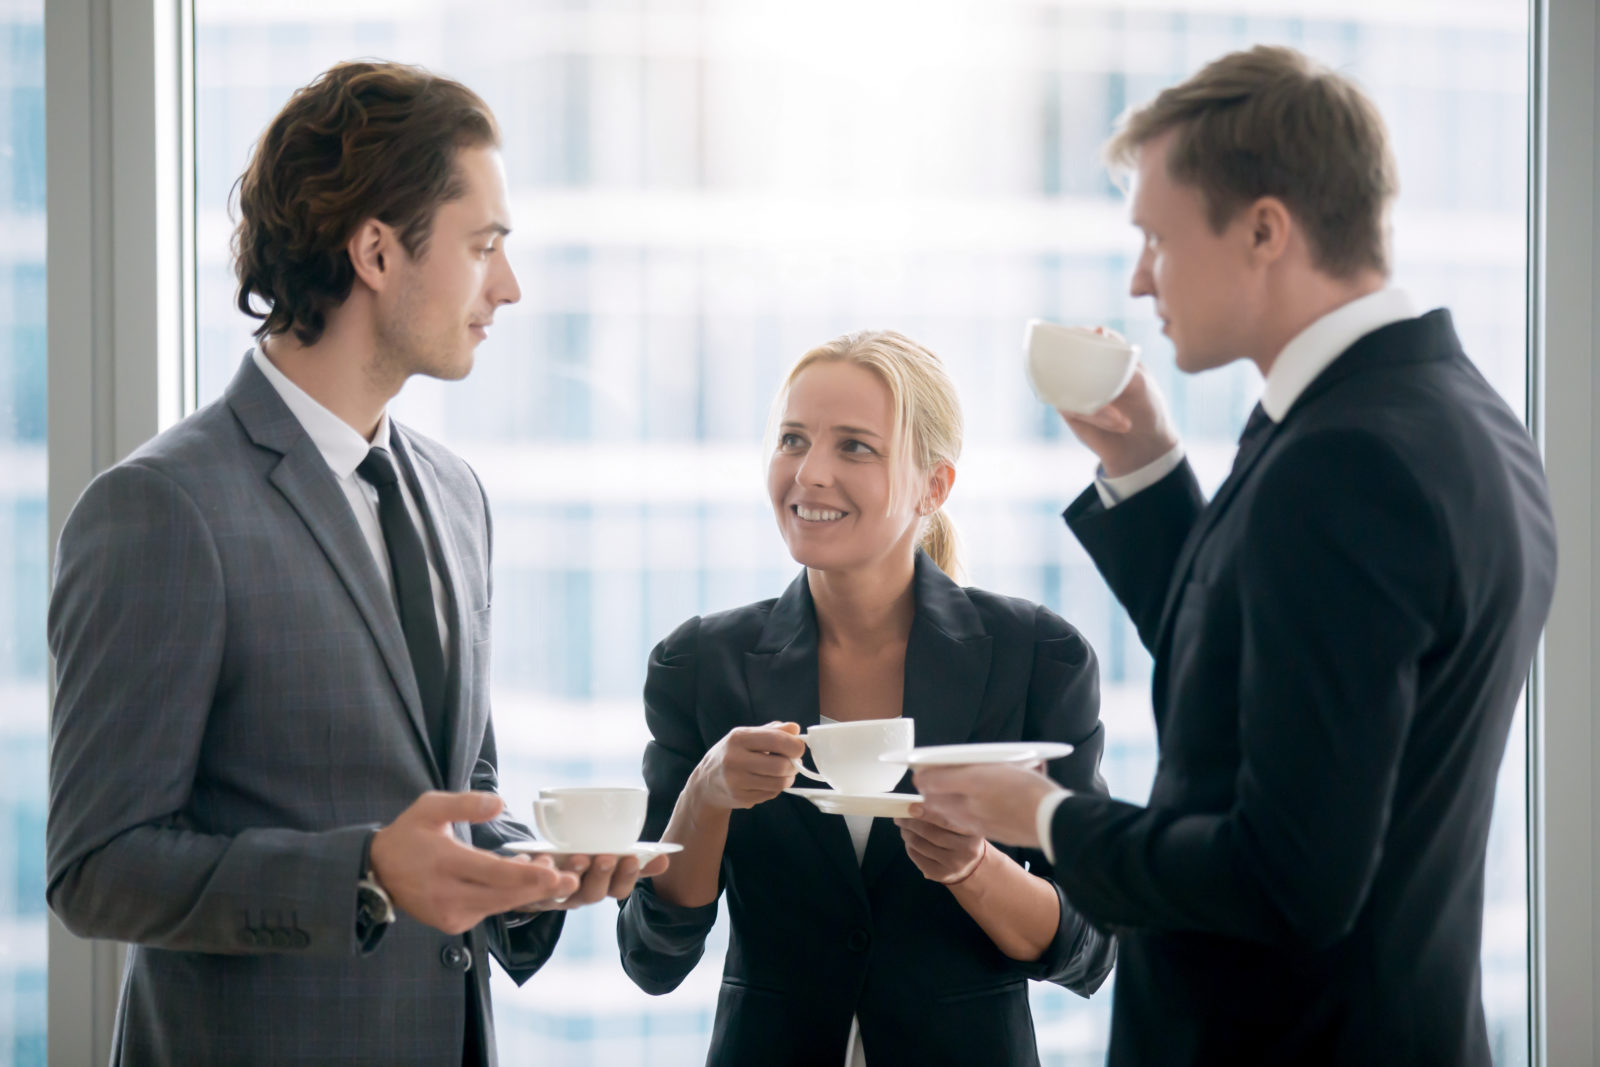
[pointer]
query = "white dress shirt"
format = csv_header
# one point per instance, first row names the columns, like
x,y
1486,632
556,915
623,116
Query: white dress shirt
x,y
1306,355
860,827
343,449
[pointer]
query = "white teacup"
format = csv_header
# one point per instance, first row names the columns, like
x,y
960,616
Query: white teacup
x,y
1075,369
847,753
591,819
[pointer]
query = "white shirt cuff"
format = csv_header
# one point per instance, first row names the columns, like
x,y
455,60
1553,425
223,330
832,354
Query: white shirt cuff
x,y
1045,815
1114,491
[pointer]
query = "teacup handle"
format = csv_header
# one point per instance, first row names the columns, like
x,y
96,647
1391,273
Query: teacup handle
x,y
547,804
800,768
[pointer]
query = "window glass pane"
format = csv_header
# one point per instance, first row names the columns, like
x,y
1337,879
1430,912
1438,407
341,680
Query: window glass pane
x,y
702,191
23,534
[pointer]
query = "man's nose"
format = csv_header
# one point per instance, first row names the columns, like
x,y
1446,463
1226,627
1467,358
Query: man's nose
x,y
506,290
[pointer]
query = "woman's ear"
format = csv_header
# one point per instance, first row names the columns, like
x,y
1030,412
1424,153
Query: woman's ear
x,y
937,491
372,248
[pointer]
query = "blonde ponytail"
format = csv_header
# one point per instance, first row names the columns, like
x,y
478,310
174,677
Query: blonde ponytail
x,y
943,545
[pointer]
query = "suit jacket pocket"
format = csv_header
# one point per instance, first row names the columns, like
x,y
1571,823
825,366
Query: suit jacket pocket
x,y
979,992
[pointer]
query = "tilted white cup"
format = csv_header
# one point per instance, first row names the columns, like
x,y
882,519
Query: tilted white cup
x,y
591,818
847,753
1075,369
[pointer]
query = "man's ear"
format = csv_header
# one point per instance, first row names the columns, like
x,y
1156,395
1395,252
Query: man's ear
x,y
1270,228
372,249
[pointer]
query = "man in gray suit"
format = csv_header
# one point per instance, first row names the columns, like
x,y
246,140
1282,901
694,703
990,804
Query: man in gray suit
x,y
272,766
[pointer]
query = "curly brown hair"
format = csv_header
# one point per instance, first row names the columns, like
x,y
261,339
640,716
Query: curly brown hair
x,y
364,140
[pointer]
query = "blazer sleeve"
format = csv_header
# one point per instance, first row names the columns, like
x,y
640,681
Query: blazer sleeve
x,y
1064,705
521,944
661,942
1340,581
1136,544
136,625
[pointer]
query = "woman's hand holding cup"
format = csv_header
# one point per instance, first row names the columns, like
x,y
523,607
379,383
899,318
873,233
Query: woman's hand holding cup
x,y
750,765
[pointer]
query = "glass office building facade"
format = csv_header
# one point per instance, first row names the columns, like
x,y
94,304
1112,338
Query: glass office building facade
x,y
702,190
23,534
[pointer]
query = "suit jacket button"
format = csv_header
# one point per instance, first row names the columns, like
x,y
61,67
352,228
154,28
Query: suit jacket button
x,y
456,958
858,940
301,939
247,936
281,938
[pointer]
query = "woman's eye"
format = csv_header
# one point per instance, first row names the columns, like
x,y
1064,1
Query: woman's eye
x,y
860,448
790,440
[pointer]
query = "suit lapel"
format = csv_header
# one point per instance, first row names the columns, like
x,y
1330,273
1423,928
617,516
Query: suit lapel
x,y
1242,465
947,674
425,480
781,675
305,481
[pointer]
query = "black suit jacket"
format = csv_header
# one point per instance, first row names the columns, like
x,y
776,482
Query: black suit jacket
x,y
1340,639
815,936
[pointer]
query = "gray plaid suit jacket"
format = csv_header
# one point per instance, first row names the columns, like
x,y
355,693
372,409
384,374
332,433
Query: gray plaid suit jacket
x,y
235,711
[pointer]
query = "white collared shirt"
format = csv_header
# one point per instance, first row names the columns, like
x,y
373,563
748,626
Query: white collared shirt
x,y
343,449
1306,355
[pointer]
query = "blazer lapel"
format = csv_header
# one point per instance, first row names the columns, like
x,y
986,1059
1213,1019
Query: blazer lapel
x,y
425,480
781,676
302,476
1242,464
947,674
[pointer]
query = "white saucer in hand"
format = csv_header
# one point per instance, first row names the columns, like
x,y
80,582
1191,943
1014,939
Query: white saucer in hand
x,y
985,752
878,805
643,851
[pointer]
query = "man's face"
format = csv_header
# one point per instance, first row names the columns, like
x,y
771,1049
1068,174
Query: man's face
x,y
442,303
1206,289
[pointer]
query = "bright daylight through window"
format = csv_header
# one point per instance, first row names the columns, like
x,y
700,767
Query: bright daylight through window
x,y
702,191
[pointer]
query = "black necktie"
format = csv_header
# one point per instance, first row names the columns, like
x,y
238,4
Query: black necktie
x,y
1254,427
413,590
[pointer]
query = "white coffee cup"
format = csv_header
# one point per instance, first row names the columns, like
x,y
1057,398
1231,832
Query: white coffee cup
x,y
591,819
847,753
1076,369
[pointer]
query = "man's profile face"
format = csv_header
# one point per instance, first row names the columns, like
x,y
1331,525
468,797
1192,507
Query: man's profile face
x,y
431,321
1201,281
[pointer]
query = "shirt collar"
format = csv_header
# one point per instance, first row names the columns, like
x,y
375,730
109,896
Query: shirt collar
x,y
341,446
1324,341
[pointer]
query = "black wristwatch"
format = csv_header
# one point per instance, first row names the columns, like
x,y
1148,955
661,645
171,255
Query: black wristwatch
x,y
374,909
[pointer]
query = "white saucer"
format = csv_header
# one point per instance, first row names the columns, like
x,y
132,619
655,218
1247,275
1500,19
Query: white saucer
x,y
880,805
986,752
645,851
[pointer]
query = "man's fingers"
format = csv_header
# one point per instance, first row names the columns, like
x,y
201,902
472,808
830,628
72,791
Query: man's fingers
x,y
655,867
475,865
437,808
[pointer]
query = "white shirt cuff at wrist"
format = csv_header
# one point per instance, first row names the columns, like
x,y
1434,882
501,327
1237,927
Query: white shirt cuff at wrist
x,y
1045,815
1114,491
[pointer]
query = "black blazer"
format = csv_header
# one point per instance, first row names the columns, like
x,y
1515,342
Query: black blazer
x,y
1340,639
815,936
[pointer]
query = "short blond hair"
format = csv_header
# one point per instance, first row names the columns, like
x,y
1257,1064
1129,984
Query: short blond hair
x,y
927,418
1272,122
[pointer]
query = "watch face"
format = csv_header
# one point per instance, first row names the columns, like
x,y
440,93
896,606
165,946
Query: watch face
x,y
374,904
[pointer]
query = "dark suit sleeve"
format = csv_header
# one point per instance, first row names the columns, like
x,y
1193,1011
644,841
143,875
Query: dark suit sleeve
x,y
136,626
524,947
1340,581
1064,705
1136,544
662,942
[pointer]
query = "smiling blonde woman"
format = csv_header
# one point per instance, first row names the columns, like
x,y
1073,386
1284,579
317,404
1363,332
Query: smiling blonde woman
x,y
854,939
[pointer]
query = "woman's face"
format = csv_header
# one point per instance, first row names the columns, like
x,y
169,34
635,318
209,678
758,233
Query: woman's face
x,y
830,476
